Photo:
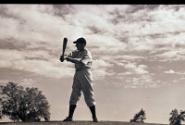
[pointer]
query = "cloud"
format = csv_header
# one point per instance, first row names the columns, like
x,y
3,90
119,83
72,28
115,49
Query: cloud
x,y
31,25
174,72
141,82
136,69
106,44
101,68
27,62
171,55
128,80
140,34
11,43
122,38
170,71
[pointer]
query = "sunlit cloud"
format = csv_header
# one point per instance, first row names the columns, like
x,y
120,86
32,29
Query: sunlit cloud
x,y
170,71
22,61
137,69
174,72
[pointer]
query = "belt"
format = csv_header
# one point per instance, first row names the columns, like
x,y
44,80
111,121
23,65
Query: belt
x,y
82,69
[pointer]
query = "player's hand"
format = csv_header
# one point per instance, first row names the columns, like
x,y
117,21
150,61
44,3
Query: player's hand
x,y
68,58
62,58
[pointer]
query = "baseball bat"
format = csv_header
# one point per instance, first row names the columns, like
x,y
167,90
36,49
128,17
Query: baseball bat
x,y
64,45
63,49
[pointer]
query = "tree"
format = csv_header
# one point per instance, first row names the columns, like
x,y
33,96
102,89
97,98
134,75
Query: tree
x,y
176,118
139,117
1,108
24,104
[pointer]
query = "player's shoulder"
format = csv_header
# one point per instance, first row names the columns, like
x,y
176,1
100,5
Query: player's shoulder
x,y
87,51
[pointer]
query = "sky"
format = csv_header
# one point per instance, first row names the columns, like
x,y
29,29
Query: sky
x,y
138,56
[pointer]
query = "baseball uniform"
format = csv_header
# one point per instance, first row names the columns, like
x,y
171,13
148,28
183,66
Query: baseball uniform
x,y
83,80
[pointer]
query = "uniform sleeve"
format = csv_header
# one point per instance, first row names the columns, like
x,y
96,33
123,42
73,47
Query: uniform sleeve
x,y
87,58
74,56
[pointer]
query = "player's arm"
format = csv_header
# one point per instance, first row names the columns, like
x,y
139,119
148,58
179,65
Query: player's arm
x,y
73,60
87,57
72,57
84,60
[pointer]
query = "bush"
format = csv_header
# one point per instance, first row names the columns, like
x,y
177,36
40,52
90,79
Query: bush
x,y
139,117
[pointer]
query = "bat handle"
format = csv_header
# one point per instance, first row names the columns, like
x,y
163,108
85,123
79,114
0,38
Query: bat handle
x,y
62,58
65,38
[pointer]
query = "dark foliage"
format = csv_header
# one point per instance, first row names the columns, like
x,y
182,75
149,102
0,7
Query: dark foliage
x,y
139,117
176,118
24,104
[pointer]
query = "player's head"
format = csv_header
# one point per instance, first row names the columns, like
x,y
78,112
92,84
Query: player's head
x,y
80,43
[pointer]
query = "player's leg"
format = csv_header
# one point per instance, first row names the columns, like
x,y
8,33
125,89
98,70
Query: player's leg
x,y
88,92
93,112
75,96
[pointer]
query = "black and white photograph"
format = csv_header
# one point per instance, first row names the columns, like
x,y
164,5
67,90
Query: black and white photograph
x,y
88,64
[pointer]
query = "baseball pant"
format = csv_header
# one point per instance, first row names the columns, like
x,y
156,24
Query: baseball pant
x,y
82,82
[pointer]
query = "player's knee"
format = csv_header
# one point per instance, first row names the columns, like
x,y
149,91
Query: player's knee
x,y
74,99
90,102
72,102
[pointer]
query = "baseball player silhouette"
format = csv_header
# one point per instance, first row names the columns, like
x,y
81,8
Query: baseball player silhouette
x,y
82,81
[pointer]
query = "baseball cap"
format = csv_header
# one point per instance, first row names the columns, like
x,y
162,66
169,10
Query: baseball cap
x,y
80,40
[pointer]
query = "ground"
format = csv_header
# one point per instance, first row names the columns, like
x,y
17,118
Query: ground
x,y
77,123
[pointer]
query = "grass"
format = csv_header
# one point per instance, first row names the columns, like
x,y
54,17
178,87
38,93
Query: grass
x,y
77,123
